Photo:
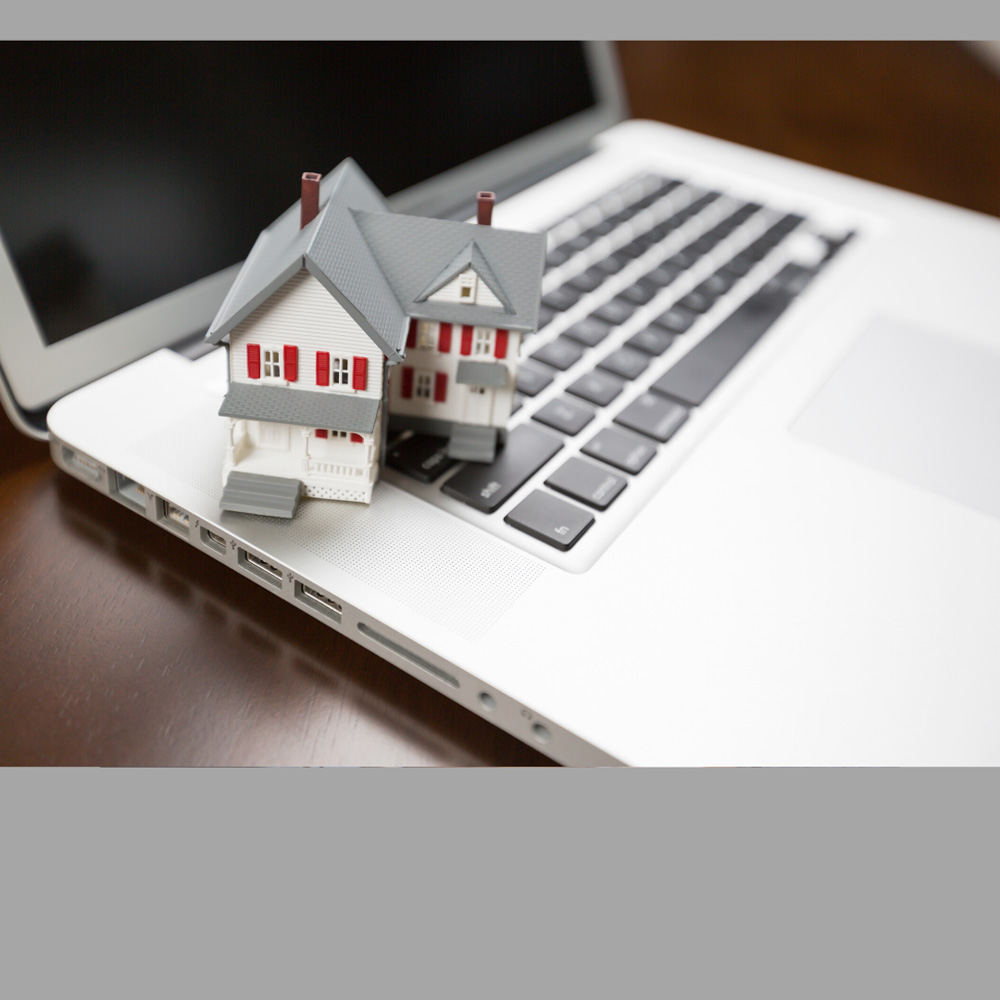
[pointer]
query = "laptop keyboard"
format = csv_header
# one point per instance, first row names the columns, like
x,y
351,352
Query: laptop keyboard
x,y
628,279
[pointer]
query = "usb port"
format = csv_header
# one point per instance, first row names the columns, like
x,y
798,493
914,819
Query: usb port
x,y
82,463
129,492
262,568
213,540
318,602
173,517
178,515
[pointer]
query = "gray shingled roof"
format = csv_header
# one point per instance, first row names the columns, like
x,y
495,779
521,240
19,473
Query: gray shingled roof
x,y
281,405
469,256
411,252
332,248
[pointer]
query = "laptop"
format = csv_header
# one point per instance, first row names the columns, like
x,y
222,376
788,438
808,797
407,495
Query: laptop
x,y
748,509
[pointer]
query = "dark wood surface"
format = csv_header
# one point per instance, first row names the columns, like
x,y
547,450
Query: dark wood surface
x,y
120,645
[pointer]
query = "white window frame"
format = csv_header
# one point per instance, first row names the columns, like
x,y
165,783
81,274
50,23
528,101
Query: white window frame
x,y
482,341
423,384
270,364
340,371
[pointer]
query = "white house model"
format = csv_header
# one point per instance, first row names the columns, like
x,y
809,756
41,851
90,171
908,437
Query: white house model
x,y
333,297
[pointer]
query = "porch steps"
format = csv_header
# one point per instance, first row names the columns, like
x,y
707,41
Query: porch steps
x,y
250,493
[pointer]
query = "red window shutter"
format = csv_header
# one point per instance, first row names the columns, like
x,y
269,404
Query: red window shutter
x,y
411,336
466,339
500,347
360,374
440,387
322,367
291,363
357,439
444,338
253,360
322,434
407,386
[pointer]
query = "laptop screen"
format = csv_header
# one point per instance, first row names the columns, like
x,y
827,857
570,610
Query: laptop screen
x,y
131,170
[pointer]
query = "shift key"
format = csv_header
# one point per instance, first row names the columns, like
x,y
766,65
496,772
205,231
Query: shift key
x,y
487,487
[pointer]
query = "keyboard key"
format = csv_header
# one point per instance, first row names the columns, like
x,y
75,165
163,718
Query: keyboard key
x,y
675,320
633,250
561,299
530,381
653,416
619,448
718,283
651,341
561,353
697,301
589,280
564,415
487,487
616,312
626,362
640,293
556,257
712,359
612,264
590,331
588,483
597,387
580,242
660,276
550,520
421,457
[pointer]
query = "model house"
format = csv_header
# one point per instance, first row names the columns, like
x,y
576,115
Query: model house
x,y
333,297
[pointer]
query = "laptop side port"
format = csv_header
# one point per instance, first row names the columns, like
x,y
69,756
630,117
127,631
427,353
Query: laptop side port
x,y
318,601
260,567
128,492
402,651
173,517
82,464
213,540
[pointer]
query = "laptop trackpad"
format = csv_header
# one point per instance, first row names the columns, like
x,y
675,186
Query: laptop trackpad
x,y
919,406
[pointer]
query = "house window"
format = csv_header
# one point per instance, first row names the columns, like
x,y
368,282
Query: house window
x,y
272,364
339,368
482,342
467,286
423,385
425,335
332,435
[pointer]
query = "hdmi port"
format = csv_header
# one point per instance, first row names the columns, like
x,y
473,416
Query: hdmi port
x,y
317,601
262,568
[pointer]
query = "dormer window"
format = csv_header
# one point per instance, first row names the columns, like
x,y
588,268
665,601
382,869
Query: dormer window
x,y
467,287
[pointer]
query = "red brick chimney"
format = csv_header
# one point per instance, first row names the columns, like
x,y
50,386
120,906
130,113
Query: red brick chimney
x,y
485,201
310,199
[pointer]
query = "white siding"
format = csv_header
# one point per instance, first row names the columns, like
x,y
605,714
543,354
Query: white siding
x,y
304,314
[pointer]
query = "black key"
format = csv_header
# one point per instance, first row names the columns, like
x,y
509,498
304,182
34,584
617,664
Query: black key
x,y
660,276
619,448
550,519
712,359
603,228
580,242
564,415
561,353
597,387
545,316
639,293
791,279
422,457
616,312
517,404
590,484
683,259
697,301
626,362
611,265
556,257
651,341
718,283
632,250
487,487
675,320
530,381
589,280
561,299
590,331
653,416
739,266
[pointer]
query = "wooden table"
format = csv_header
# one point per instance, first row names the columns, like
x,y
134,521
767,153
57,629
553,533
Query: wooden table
x,y
121,646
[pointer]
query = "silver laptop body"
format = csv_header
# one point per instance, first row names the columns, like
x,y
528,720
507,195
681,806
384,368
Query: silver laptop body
x,y
802,569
